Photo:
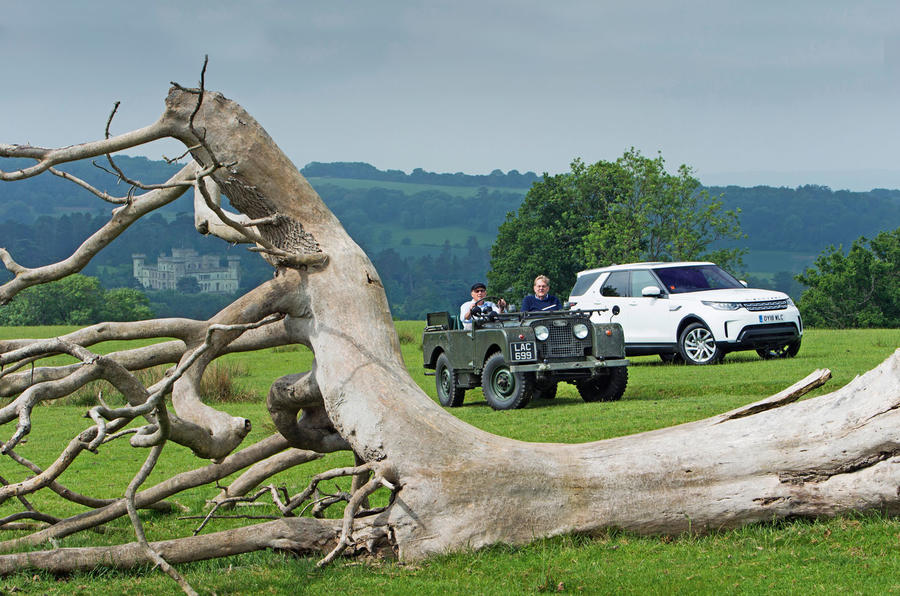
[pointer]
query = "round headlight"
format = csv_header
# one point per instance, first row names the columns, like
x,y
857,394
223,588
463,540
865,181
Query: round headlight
x,y
541,332
580,330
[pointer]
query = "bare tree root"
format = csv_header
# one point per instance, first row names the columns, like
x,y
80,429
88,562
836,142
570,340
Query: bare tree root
x,y
359,497
78,498
260,471
29,513
355,501
813,380
151,554
176,484
215,442
298,535
359,480
35,483
299,393
170,352
8,522
231,501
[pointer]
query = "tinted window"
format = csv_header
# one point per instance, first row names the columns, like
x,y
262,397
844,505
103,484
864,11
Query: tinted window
x,y
640,279
583,283
696,278
616,284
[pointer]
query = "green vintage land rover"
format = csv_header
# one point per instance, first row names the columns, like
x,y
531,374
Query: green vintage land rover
x,y
519,355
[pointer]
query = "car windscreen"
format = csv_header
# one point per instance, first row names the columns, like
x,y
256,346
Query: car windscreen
x,y
696,278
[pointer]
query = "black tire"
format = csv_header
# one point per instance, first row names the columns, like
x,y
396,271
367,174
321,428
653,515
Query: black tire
x,y
786,351
448,393
504,389
609,387
671,358
696,345
544,389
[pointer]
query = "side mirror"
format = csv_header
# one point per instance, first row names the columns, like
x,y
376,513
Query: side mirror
x,y
651,292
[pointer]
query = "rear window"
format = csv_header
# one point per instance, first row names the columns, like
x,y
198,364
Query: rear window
x,y
583,283
616,284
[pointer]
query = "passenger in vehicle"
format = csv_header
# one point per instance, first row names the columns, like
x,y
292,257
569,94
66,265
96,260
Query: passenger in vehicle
x,y
542,298
478,293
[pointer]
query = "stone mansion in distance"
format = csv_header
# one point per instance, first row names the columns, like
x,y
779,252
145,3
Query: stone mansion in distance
x,y
186,262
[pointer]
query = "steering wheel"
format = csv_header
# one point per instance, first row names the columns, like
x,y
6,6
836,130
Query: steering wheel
x,y
484,312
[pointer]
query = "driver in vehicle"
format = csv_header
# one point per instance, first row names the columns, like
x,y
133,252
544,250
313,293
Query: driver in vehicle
x,y
542,299
479,291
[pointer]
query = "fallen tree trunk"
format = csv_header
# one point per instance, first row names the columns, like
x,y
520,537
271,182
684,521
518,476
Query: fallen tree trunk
x,y
454,486
298,535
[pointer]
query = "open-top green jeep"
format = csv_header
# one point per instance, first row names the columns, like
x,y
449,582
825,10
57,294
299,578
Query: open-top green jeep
x,y
519,355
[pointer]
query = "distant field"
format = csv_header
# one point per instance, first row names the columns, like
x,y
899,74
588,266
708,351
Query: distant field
x,y
426,241
410,188
773,261
854,554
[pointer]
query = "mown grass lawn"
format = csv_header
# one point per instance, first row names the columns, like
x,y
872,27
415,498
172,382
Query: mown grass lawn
x,y
856,554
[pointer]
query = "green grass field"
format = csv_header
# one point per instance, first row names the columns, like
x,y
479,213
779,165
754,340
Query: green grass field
x,y
857,554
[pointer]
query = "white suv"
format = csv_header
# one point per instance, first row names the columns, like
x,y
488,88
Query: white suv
x,y
694,312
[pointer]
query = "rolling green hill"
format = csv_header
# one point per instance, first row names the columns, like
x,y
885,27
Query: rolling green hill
x,y
428,234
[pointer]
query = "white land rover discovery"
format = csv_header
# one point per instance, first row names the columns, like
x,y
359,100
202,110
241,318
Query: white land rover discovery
x,y
694,312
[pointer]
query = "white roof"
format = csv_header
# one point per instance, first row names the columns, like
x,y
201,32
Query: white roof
x,y
646,265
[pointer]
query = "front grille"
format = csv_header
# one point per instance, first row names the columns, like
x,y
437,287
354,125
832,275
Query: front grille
x,y
562,343
768,335
766,305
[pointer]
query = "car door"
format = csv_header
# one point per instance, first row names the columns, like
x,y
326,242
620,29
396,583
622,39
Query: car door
x,y
613,295
650,318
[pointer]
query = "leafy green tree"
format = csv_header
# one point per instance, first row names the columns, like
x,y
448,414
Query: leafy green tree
x,y
859,289
609,212
74,300
125,304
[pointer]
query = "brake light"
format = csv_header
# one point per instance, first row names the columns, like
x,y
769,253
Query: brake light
x,y
609,332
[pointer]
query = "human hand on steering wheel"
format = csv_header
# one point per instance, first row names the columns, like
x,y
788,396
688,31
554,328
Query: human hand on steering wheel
x,y
500,302
481,310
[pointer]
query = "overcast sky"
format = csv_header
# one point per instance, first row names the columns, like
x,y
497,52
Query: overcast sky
x,y
762,92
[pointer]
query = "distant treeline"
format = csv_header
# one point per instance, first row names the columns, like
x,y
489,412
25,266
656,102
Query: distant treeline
x,y
810,218
42,220
363,171
806,218
359,208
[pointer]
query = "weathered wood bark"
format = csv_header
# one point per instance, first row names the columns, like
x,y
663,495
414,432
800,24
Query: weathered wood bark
x,y
299,535
457,486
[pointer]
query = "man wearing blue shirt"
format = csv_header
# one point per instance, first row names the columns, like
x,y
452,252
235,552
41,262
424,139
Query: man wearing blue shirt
x,y
542,299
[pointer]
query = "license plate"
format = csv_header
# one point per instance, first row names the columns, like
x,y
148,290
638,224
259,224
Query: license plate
x,y
522,351
771,318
